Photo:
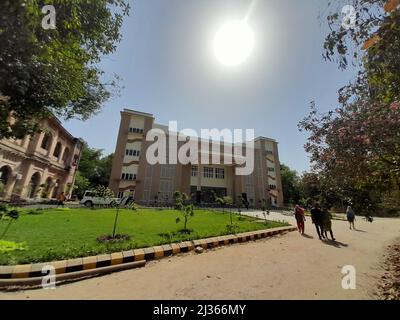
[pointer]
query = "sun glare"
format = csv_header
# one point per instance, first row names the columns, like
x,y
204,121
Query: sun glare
x,y
233,43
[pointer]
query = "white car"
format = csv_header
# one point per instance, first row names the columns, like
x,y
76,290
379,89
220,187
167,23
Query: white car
x,y
89,200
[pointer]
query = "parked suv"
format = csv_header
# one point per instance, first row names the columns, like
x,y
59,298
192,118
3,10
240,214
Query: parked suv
x,y
89,200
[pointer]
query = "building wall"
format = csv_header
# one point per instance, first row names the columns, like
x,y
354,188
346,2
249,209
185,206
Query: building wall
x,y
41,166
158,182
129,139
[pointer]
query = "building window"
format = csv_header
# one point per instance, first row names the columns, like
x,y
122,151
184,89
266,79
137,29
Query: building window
x,y
168,171
57,150
120,195
271,169
128,176
272,187
219,173
136,130
132,153
208,172
65,155
46,141
270,152
75,161
195,170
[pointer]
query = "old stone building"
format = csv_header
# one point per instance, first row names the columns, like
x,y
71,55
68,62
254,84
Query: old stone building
x,y
40,166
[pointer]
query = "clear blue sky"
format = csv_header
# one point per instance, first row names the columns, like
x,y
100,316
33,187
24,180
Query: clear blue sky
x,y
169,69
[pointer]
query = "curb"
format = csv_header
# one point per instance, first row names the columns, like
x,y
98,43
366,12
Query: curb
x,y
31,274
37,281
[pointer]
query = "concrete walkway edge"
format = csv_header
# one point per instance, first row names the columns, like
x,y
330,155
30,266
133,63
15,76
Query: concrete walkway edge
x,y
32,274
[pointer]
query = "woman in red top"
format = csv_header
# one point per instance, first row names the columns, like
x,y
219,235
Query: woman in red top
x,y
300,218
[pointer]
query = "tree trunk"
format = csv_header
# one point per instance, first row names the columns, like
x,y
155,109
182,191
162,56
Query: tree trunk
x,y
115,223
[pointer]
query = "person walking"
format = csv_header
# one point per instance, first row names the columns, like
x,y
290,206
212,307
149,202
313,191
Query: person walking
x,y
316,218
300,218
351,217
327,223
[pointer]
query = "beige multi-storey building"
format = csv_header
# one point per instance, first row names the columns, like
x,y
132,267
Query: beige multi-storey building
x,y
39,166
132,173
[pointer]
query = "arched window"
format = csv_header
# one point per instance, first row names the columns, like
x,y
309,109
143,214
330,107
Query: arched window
x,y
57,150
5,173
46,141
65,155
76,159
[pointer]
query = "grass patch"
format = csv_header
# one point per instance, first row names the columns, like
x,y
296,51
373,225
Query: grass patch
x,y
9,246
61,234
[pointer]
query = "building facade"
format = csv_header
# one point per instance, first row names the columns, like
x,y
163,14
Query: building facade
x,y
40,166
132,174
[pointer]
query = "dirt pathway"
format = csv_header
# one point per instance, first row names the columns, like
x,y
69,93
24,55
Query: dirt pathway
x,y
285,267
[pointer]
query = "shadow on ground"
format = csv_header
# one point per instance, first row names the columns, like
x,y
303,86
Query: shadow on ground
x,y
336,244
305,235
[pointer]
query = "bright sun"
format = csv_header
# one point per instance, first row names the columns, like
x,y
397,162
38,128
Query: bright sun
x,y
233,43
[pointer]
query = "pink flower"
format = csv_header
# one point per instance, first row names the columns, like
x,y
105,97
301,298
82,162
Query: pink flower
x,y
395,106
342,132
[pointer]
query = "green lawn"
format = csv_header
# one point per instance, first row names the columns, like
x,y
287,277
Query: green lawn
x,y
59,234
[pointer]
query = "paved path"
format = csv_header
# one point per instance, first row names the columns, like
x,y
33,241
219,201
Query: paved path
x,y
285,267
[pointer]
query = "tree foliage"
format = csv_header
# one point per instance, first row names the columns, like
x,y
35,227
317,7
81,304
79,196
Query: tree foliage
x,y
55,71
356,147
94,170
179,200
103,192
290,185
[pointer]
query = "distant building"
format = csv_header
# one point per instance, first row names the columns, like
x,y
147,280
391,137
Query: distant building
x,y
40,166
132,174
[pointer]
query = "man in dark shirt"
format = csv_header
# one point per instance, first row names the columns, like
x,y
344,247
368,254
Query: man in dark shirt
x,y
316,217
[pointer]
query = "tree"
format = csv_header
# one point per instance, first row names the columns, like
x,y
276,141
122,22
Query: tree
x,y
7,213
290,185
46,72
356,147
81,185
187,213
94,169
179,200
103,192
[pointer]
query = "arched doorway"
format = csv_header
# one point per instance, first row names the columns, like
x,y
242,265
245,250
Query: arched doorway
x,y
33,185
5,174
56,190
47,188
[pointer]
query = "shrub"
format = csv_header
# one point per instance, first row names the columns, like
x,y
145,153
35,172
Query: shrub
x,y
179,200
113,239
187,213
8,246
232,228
